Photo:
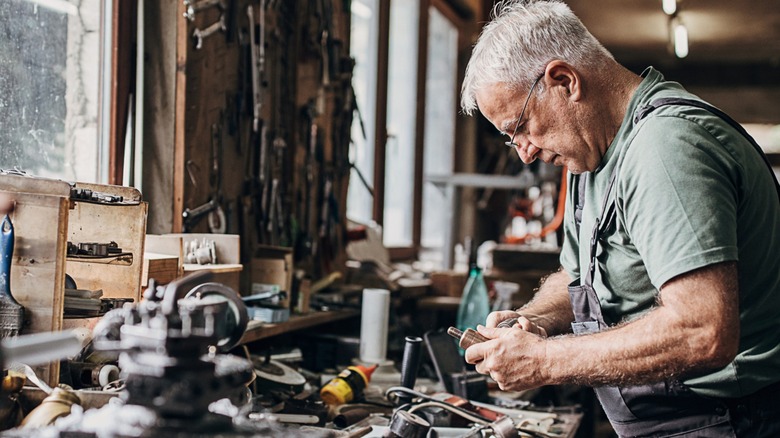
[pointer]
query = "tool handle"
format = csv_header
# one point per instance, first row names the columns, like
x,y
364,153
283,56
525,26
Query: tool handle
x,y
40,348
6,254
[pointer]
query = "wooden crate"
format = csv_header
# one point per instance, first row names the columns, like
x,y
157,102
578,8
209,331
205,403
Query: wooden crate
x,y
163,268
228,269
45,219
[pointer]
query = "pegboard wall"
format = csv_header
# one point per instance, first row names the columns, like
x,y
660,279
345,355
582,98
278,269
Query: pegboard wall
x,y
264,107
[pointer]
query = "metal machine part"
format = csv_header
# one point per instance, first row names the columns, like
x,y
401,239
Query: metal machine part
x,y
164,344
167,345
39,348
407,425
466,338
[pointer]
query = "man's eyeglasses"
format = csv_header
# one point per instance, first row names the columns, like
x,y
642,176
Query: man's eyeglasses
x,y
511,143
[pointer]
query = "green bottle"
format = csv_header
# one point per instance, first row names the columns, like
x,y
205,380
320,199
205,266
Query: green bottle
x,y
474,304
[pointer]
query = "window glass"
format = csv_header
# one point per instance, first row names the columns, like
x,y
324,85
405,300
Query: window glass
x,y
49,79
363,48
440,112
401,116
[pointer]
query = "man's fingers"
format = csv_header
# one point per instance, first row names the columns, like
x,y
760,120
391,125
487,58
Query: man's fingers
x,y
474,354
489,332
525,324
496,317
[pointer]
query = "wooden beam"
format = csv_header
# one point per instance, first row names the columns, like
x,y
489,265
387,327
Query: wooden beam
x,y
380,137
123,25
179,147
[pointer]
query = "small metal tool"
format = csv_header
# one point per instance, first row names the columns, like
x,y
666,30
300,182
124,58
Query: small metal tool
x,y
193,7
200,34
466,338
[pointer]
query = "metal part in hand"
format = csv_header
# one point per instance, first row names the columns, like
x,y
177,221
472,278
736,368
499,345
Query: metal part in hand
x,y
507,323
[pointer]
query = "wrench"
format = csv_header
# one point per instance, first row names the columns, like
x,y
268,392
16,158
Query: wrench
x,y
193,7
201,34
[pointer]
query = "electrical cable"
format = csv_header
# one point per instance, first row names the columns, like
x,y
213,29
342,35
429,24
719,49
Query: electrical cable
x,y
450,408
471,416
414,393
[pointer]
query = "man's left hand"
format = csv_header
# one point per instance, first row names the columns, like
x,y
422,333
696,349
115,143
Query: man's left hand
x,y
511,357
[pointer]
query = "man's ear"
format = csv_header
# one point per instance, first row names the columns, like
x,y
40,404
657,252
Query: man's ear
x,y
562,74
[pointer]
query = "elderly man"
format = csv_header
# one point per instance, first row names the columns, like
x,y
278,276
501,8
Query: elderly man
x,y
668,299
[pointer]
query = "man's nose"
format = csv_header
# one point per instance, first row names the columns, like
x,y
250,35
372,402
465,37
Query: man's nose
x,y
525,150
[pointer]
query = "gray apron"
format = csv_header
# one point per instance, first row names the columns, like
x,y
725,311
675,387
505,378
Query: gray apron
x,y
661,409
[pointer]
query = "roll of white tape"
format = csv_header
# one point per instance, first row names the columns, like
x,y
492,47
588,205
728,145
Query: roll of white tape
x,y
373,325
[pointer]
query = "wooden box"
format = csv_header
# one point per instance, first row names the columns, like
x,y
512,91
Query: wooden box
x,y
46,217
273,265
228,268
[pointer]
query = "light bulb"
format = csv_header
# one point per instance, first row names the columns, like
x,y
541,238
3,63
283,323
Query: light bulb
x,y
669,6
681,41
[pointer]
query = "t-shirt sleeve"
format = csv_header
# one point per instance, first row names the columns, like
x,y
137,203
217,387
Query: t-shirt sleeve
x,y
678,190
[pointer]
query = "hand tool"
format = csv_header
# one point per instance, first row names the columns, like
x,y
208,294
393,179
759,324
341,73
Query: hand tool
x,y
507,323
193,7
257,47
11,312
466,338
200,34
39,348
191,216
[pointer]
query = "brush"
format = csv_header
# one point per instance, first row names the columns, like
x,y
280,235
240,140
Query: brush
x,y
11,312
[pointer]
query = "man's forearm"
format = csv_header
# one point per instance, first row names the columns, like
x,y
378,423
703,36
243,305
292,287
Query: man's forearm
x,y
694,328
550,307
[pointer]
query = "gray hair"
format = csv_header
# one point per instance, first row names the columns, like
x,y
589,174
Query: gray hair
x,y
521,39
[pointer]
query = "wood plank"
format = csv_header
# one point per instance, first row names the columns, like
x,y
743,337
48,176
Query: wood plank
x,y
257,330
123,224
38,265
180,98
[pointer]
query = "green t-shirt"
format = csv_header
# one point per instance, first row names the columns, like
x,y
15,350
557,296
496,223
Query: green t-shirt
x,y
690,192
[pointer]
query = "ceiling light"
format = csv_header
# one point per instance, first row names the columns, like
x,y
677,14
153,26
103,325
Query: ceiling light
x,y
680,40
669,6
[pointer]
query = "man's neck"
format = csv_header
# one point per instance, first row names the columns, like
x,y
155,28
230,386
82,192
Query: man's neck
x,y
617,88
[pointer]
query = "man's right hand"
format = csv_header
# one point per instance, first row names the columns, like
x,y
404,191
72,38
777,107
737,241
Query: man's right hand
x,y
522,322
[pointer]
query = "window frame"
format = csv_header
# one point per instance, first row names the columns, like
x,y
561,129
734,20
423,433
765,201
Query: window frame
x,y
122,76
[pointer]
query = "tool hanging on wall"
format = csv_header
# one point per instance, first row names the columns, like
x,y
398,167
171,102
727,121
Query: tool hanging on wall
x,y
201,34
193,7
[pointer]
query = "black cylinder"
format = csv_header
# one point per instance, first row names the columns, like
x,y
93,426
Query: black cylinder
x,y
411,361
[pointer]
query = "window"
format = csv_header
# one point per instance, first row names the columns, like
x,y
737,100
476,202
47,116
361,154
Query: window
x,y
441,103
363,47
50,70
401,118
414,44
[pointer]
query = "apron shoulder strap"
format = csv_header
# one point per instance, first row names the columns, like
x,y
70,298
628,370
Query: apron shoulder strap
x,y
652,106
580,204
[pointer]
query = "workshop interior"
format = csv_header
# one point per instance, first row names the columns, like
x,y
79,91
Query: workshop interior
x,y
245,218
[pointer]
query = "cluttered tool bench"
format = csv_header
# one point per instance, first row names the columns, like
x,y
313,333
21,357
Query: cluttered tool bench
x,y
189,355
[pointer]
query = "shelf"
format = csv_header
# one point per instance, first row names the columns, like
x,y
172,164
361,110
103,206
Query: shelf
x,y
257,330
